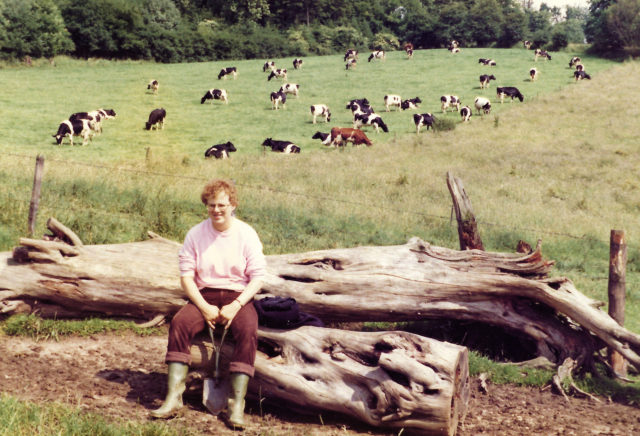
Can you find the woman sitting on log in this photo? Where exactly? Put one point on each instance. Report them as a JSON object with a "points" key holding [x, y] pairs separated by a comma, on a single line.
{"points": [[221, 270]]}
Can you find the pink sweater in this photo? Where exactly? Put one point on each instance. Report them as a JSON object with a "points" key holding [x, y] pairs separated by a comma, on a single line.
{"points": [[225, 260]]}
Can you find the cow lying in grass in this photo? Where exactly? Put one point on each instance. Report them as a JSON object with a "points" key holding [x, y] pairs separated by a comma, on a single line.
{"points": [[325, 138], [220, 151], [285, 147]]}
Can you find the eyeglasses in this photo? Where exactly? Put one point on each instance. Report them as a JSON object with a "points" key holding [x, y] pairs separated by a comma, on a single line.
{"points": [[218, 206]]}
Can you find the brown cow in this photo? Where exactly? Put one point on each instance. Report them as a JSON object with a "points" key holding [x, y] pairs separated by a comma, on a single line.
{"points": [[339, 135]]}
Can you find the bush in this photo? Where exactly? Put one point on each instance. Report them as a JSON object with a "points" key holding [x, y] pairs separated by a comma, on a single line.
{"points": [[384, 41]]}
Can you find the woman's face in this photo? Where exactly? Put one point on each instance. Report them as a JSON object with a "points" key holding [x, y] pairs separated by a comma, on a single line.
{"points": [[220, 211]]}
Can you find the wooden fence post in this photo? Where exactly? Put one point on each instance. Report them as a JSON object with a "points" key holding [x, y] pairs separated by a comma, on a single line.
{"points": [[617, 290], [35, 194]]}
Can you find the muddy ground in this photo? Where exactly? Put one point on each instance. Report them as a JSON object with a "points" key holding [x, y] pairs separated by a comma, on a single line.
{"points": [[123, 376]]}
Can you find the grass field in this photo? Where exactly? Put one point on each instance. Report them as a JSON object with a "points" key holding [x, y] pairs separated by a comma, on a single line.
{"points": [[562, 166]]}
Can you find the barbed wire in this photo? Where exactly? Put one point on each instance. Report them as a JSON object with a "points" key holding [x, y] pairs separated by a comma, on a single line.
{"points": [[315, 197]]}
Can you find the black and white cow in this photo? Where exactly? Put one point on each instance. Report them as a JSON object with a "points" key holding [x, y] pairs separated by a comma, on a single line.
{"points": [[533, 73], [527, 44], [377, 54], [280, 73], [465, 113], [579, 75], [410, 103], [450, 101], [574, 61], [454, 44], [454, 50], [71, 128], [360, 106], [351, 64], [509, 91], [372, 119], [489, 62], [425, 119], [324, 137], [351, 54], [579, 67], [94, 117], [153, 85], [485, 79], [156, 119], [320, 110], [269, 66], [220, 151], [483, 105], [290, 88], [233, 71], [285, 147], [392, 100], [297, 63], [278, 98], [215, 94], [541, 54]]}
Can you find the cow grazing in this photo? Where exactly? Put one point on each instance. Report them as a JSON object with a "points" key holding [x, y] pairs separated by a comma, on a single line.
{"points": [[220, 151], [579, 67], [483, 105], [351, 64], [450, 101], [454, 44], [579, 75], [408, 48], [409, 53], [489, 62], [290, 88], [360, 106], [153, 85], [351, 54], [233, 71], [286, 147], [455, 50], [465, 113], [377, 54], [340, 135], [411, 103], [280, 73], [94, 118], [533, 73], [372, 119], [392, 100], [485, 79], [215, 94], [297, 63], [320, 110], [425, 119], [509, 91], [574, 61], [269, 66], [156, 119], [324, 137], [278, 98], [541, 54], [527, 44], [71, 128]]}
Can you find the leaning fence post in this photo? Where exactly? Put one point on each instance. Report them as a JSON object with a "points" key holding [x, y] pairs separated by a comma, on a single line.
{"points": [[617, 290], [35, 193]]}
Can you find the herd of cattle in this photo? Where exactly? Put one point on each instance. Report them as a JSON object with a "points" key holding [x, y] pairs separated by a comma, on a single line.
{"points": [[88, 124]]}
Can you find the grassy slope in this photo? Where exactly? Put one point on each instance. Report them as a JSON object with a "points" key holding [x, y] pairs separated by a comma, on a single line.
{"points": [[561, 167]]}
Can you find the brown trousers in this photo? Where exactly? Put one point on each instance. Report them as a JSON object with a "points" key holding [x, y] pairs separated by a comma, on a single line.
{"points": [[189, 321]]}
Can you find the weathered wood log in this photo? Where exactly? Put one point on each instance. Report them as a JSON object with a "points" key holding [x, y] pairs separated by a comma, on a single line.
{"points": [[468, 233], [386, 379], [395, 283]]}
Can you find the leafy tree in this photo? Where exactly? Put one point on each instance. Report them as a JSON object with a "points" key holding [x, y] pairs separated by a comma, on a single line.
{"points": [[162, 13], [452, 23], [485, 22], [514, 27], [623, 20], [597, 30], [33, 27]]}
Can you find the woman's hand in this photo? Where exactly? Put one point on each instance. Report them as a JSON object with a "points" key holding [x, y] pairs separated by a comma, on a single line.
{"points": [[211, 314], [228, 312]]}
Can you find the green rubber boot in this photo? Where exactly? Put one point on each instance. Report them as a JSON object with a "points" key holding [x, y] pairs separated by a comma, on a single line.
{"points": [[173, 402], [235, 402]]}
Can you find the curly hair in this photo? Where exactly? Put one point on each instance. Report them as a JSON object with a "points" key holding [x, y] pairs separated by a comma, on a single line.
{"points": [[216, 186]]}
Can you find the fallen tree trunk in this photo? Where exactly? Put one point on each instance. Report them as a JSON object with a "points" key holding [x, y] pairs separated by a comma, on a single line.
{"points": [[395, 283], [386, 379]]}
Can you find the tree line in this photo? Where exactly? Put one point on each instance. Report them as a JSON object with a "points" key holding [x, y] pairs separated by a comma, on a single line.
{"points": [[203, 30]]}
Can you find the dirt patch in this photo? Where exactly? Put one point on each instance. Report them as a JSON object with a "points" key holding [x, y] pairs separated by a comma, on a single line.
{"points": [[123, 376]]}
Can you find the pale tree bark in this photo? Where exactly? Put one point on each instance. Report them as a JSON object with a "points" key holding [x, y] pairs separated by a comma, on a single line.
{"points": [[413, 281]]}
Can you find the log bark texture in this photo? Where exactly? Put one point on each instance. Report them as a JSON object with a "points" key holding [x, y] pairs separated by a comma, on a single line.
{"points": [[386, 379], [468, 233], [395, 283]]}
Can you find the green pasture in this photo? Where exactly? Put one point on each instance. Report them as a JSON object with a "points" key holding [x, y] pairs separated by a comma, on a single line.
{"points": [[561, 167]]}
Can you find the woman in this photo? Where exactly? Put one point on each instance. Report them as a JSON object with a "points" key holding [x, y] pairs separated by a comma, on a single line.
{"points": [[221, 269]]}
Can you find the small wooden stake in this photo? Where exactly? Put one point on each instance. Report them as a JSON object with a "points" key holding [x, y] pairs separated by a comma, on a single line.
{"points": [[617, 290], [35, 194], [467, 226]]}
